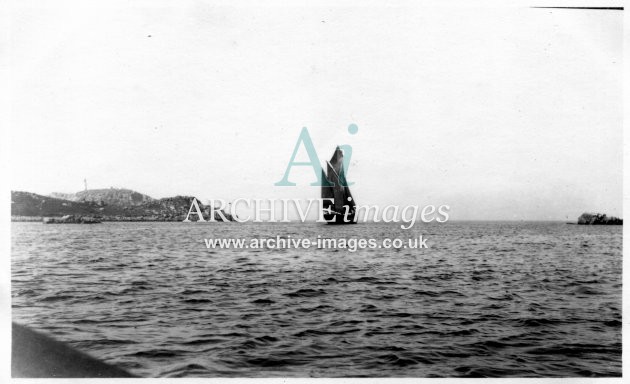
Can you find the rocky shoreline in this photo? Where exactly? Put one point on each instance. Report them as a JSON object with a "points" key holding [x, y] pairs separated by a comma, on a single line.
{"points": [[38, 219], [70, 219]]}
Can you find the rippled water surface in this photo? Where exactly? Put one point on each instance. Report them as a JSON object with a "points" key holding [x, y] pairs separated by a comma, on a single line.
{"points": [[486, 299]]}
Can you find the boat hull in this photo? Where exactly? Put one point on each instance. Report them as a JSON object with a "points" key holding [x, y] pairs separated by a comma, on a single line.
{"points": [[338, 218]]}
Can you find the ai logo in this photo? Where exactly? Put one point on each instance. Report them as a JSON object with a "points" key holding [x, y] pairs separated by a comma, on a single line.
{"points": [[305, 140]]}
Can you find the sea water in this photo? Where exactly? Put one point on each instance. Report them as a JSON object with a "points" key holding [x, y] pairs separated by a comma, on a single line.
{"points": [[484, 299]]}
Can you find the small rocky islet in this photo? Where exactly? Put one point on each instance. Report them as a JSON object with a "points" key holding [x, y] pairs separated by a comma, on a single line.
{"points": [[598, 219]]}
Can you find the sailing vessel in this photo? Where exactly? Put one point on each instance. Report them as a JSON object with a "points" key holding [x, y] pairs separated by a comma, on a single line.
{"points": [[342, 210]]}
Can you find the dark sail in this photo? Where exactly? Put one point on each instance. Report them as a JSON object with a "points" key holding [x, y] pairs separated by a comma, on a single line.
{"points": [[343, 208]]}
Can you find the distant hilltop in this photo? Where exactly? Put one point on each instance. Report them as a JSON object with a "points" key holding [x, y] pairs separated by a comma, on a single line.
{"points": [[111, 196], [104, 204], [598, 219]]}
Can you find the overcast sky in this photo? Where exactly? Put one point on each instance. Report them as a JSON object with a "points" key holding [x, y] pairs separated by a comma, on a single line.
{"points": [[501, 113]]}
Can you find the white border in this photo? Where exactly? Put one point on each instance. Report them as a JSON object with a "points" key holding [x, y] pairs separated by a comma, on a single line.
{"points": [[6, 8]]}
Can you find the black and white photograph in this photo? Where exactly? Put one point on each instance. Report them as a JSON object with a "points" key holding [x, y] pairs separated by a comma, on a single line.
{"points": [[313, 190]]}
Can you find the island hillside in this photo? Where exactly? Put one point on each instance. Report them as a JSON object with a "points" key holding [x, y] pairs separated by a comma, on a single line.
{"points": [[105, 205]]}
